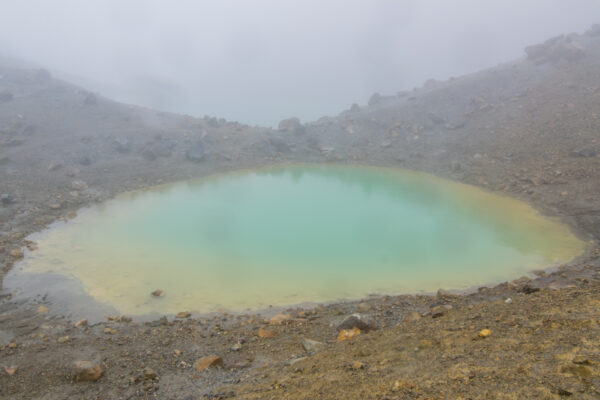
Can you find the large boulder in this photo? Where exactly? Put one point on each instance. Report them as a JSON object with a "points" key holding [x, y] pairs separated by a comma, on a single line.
{"points": [[122, 144], [195, 153], [374, 99], [279, 144], [87, 371], [292, 125], [556, 49], [358, 321]]}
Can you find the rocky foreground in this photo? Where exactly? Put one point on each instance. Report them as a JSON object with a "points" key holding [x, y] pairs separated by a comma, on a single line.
{"points": [[528, 129]]}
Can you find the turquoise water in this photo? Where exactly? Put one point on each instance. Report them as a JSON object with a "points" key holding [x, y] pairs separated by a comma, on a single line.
{"points": [[293, 234]]}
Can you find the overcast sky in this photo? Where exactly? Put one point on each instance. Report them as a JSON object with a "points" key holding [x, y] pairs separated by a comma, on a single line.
{"points": [[259, 61]]}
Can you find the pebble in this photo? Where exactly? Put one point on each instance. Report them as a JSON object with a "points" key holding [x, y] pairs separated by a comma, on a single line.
{"points": [[484, 333], [211, 361], [183, 314], [10, 371], [157, 293], [358, 365], [63, 339], [236, 347], [508, 301], [346, 334], [149, 374]]}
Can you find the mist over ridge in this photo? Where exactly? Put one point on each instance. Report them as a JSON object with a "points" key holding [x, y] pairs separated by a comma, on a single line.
{"points": [[260, 62]]}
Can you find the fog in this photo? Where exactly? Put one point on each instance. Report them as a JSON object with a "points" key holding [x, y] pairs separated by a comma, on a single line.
{"points": [[260, 61]]}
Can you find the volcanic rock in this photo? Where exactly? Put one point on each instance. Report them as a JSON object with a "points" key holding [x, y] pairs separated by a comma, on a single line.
{"points": [[211, 361], [87, 371], [359, 321], [292, 125], [266, 333], [122, 145], [279, 144], [346, 334], [195, 153], [6, 199], [311, 346]]}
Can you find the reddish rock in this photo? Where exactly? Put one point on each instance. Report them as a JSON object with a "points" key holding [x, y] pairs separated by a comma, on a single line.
{"points": [[208, 362], [87, 371], [266, 333]]}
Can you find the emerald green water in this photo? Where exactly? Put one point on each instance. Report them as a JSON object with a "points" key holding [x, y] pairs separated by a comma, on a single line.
{"points": [[293, 234]]}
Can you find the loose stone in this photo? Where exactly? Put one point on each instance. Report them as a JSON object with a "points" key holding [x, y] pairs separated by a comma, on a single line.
{"points": [[211, 361], [87, 371]]}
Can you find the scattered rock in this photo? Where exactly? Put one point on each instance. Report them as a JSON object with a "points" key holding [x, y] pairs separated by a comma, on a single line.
{"points": [[582, 371], [63, 339], [581, 361], [400, 384], [358, 365], [238, 363], [211, 361], [54, 167], [279, 144], [445, 295], [16, 253], [149, 374], [110, 331], [157, 293], [585, 152], [195, 153], [312, 346], [292, 125], [87, 371], [183, 315], [485, 333], [81, 322], [359, 321], [346, 334], [528, 289], [411, 317], [79, 185], [441, 310], [122, 145], [149, 154], [55, 206], [43, 309], [6, 199], [279, 319], [436, 119], [237, 347], [266, 333]]}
